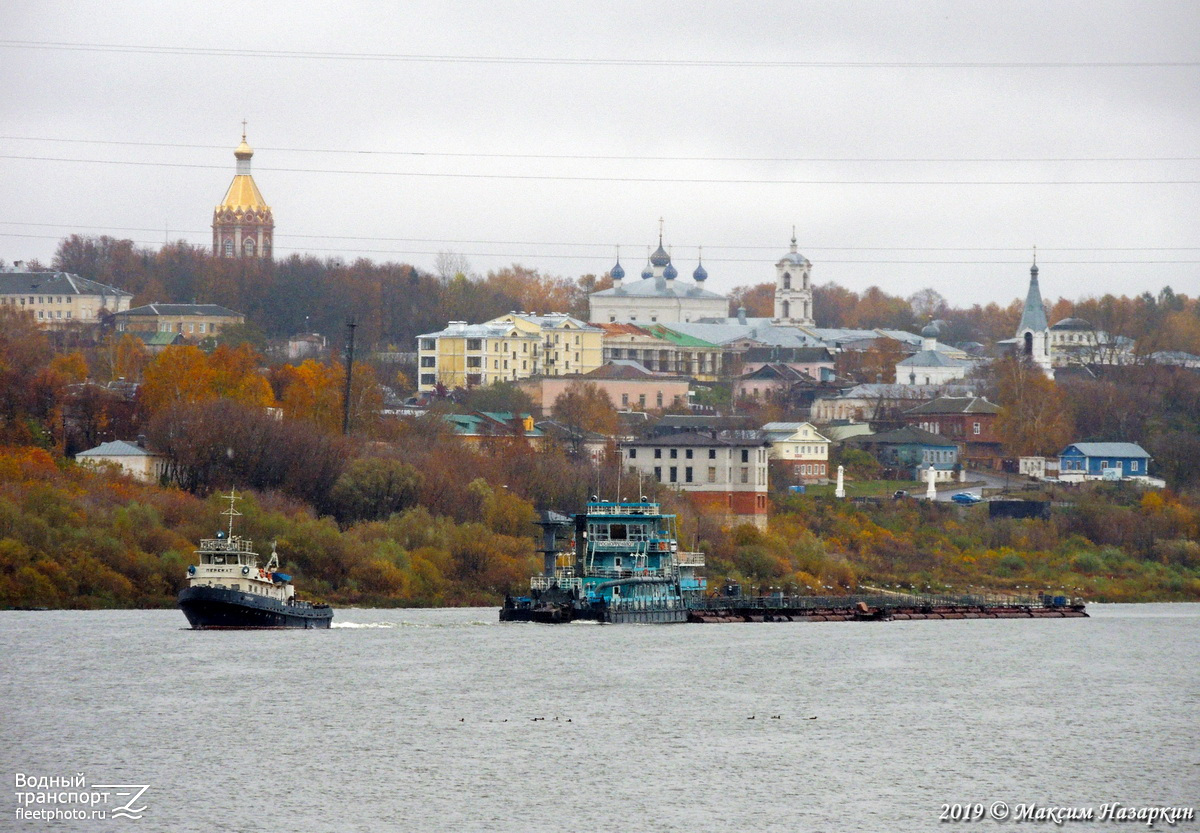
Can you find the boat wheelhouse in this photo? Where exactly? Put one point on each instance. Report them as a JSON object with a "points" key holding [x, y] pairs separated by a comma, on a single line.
{"points": [[625, 565]]}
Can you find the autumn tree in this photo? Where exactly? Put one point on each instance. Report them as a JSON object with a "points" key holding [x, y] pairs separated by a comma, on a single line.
{"points": [[584, 406], [759, 300], [186, 374], [374, 488], [1034, 418]]}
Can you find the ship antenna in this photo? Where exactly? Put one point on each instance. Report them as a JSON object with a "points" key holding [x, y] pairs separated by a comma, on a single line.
{"points": [[231, 512], [620, 466]]}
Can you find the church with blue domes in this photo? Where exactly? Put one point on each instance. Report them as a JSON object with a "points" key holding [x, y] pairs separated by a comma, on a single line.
{"points": [[658, 295]]}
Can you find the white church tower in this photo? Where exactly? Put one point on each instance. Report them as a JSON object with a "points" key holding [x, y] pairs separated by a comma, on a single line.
{"points": [[1033, 333], [793, 289]]}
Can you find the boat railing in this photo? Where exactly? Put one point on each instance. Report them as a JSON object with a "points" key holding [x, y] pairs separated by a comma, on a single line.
{"points": [[646, 604], [689, 559], [639, 572], [226, 545], [622, 508], [546, 582]]}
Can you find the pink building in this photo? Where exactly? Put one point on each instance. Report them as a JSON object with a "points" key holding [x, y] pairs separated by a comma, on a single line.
{"points": [[629, 386]]}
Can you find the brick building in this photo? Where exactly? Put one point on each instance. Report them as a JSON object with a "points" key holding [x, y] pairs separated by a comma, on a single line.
{"points": [[725, 474]]}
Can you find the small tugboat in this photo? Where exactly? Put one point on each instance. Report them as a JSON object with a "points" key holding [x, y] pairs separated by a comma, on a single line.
{"points": [[624, 566], [228, 589]]}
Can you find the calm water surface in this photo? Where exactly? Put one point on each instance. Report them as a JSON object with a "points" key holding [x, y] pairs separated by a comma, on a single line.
{"points": [[423, 720]]}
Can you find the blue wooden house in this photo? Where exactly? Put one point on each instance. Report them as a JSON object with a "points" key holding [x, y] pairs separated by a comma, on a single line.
{"points": [[1099, 461], [911, 451]]}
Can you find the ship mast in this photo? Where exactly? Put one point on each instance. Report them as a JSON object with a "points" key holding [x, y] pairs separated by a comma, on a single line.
{"points": [[231, 512]]}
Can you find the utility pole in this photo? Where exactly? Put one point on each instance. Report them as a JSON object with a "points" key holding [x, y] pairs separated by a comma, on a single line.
{"points": [[350, 325]]}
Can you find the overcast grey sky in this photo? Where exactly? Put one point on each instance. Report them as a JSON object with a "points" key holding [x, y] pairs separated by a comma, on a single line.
{"points": [[468, 156]]}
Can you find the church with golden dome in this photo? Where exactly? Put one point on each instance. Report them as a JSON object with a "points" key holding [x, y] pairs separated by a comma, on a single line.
{"points": [[243, 225]]}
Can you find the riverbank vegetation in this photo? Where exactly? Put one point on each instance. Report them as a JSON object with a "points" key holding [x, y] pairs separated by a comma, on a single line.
{"points": [[399, 534]]}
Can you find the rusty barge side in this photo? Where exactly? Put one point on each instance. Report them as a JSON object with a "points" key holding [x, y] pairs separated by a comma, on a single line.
{"points": [[783, 610]]}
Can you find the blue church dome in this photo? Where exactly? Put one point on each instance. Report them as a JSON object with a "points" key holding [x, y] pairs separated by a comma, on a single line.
{"points": [[670, 273], [648, 272], [701, 274], [617, 272]]}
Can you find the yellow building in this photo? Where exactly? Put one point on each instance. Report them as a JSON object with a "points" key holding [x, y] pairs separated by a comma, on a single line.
{"points": [[243, 225], [193, 321], [57, 300], [508, 348]]}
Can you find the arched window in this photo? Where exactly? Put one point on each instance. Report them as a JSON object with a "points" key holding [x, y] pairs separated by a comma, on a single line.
{"points": [[228, 247], [248, 247], [787, 280], [787, 310], [266, 249], [1029, 344]]}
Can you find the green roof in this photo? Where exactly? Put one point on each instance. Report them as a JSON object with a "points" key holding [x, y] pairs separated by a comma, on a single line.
{"points": [[666, 334]]}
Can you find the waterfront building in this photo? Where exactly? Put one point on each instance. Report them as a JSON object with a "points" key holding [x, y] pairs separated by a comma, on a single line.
{"points": [[725, 474], [968, 420], [910, 451], [1103, 461], [802, 449]]}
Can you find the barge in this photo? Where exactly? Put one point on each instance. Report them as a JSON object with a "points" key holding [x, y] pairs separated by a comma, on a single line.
{"points": [[623, 564]]}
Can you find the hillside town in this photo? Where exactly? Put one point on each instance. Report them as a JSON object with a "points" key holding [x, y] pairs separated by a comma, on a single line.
{"points": [[720, 402], [736, 404]]}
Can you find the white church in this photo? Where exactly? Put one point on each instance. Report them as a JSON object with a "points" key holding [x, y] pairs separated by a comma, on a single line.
{"points": [[660, 296]]}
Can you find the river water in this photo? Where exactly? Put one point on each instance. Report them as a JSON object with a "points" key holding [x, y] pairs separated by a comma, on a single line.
{"points": [[413, 720]]}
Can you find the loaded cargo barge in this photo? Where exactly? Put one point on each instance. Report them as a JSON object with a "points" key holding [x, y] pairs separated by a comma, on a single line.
{"points": [[624, 565], [883, 608]]}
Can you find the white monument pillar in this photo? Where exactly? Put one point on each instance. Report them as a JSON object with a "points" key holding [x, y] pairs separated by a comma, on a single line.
{"points": [[931, 492], [840, 491]]}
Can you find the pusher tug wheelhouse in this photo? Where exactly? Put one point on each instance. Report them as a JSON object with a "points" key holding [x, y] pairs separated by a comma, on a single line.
{"points": [[625, 566], [228, 589]]}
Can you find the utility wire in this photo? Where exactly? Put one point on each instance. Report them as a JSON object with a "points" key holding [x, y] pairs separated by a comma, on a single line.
{"points": [[616, 157], [591, 257], [528, 60], [625, 179], [608, 247]]}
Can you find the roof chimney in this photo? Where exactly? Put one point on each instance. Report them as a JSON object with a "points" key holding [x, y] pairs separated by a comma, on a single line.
{"points": [[741, 315]]}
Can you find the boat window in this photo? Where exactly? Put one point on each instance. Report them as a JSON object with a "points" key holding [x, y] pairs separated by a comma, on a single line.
{"points": [[617, 532], [598, 532], [218, 559], [638, 532]]}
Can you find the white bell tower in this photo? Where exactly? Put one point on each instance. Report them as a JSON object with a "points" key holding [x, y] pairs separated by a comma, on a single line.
{"points": [[793, 288]]}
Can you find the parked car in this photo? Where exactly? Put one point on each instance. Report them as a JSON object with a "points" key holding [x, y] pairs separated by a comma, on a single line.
{"points": [[899, 493], [966, 498]]}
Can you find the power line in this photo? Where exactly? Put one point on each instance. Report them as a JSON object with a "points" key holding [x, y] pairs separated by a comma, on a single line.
{"points": [[527, 60], [608, 247], [615, 157], [591, 257], [624, 179]]}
